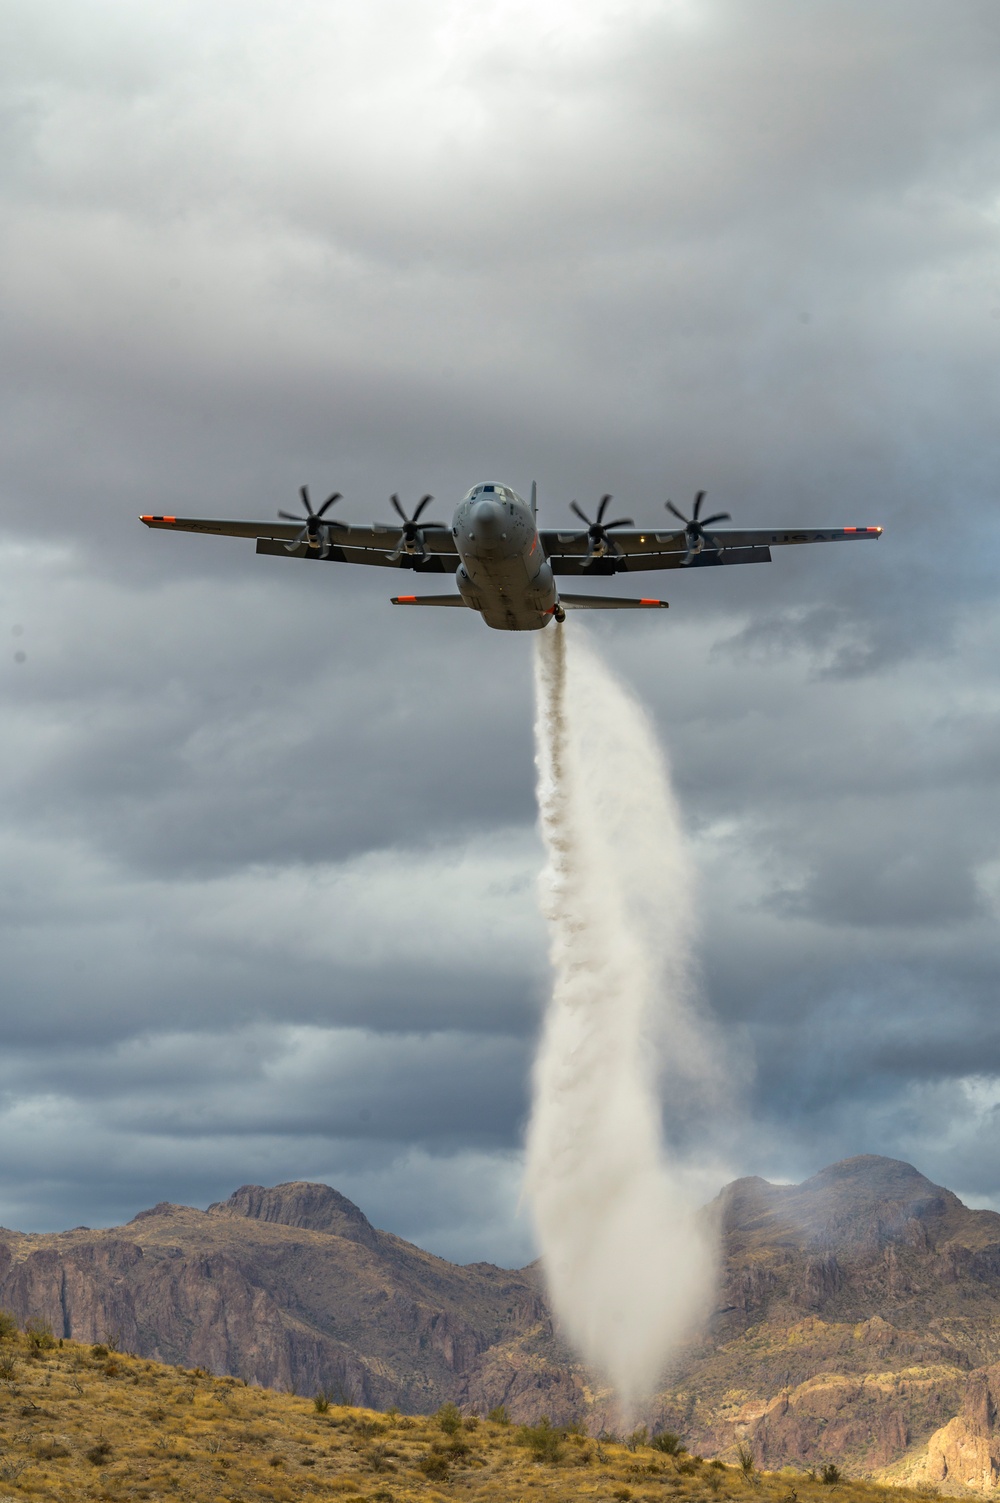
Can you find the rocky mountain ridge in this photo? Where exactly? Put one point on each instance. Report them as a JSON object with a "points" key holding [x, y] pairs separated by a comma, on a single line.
{"points": [[858, 1318]]}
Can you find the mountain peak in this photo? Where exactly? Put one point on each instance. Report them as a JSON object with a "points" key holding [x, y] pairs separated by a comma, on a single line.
{"points": [[862, 1201], [300, 1203]]}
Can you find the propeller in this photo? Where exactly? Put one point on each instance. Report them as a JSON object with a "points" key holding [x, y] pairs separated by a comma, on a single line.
{"points": [[412, 537], [597, 531], [695, 525], [312, 533]]}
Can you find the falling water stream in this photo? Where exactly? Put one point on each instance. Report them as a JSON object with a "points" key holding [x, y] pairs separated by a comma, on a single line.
{"points": [[629, 1266]]}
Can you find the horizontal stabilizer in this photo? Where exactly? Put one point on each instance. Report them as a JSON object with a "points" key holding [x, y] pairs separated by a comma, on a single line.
{"points": [[609, 603], [427, 600]]}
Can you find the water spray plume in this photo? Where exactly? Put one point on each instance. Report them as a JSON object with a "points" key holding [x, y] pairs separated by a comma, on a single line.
{"points": [[630, 1268]]}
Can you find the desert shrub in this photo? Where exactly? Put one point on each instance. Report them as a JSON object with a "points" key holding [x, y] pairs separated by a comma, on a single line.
{"points": [[499, 1415], [40, 1337], [830, 1474], [321, 1402], [99, 1351], [100, 1452], [8, 1326], [377, 1459], [8, 1369], [50, 1450], [669, 1442], [543, 1440], [449, 1417], [434, 1466], [745, 1459], [639, 1437], [369, 1428], [622, 1494], [717, 1465], [471, 1422], [276, 1460]]}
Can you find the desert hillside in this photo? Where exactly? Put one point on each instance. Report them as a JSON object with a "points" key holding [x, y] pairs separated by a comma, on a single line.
{"points": [[85, 1422], [857, 1321]]}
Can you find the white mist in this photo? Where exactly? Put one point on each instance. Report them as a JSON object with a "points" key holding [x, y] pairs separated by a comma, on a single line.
{"points": [[630, 1269]]}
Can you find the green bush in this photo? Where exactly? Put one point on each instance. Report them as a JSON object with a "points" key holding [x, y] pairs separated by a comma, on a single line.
{"points": [[543, 1440], [830, 1474], [449, 1417], [669, 1442], [434, 1466], [321, 1403], [40, 1337], [499, 1415], [8, 1326]]}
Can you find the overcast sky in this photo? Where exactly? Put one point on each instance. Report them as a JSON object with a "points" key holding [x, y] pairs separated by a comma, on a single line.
{"points": [[268, 848]]}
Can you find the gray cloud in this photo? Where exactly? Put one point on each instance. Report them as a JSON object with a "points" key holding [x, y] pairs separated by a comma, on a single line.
{"points": [[641, 249]]}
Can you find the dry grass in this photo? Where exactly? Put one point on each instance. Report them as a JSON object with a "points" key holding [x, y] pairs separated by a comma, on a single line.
{"points": [[80, 1422]]}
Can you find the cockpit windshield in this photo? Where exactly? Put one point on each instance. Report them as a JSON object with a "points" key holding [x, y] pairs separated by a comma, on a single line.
{"points": [[498, 492]]}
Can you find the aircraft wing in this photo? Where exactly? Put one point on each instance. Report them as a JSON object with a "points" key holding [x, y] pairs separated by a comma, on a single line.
{"points": [[638, 550], [349, 543]]}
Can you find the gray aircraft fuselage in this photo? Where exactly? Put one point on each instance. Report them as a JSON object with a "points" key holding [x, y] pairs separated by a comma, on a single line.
{"points": [[503, 572]]}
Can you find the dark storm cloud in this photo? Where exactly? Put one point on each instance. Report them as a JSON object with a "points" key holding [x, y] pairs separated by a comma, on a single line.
{"points": [[400, 247]]}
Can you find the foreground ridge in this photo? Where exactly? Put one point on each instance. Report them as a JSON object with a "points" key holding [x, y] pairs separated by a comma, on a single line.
{"points": [[80, 1421]]}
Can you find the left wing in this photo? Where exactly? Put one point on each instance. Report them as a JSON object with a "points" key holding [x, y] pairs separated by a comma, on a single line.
{"points": [[632, 550], [348, 543]]}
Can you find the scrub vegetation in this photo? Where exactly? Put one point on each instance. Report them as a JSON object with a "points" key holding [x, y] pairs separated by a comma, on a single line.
{"points": [[90, 1422]]}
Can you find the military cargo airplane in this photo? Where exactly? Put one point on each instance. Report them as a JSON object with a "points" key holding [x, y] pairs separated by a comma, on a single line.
{"points": [[504, 566]]}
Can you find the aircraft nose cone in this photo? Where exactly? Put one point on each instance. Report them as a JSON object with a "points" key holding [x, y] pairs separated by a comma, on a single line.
{"points": [[487, 520]]}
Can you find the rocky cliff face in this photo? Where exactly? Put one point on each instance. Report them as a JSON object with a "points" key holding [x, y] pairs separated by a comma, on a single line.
{"points": [[291, 1287], [854, 1312], [858, 1318]]}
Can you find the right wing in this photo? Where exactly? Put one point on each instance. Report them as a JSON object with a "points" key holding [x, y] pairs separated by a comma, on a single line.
{"points": [[639, 549], [349, 543]]}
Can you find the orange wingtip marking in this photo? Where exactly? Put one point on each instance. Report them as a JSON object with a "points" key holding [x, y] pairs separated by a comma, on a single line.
{"points": [[168, 519], [145, 518], [853, 529], [407, 599], [649, 602]]}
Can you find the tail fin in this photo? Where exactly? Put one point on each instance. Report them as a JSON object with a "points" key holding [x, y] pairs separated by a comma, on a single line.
{"points": [[534, 499]]}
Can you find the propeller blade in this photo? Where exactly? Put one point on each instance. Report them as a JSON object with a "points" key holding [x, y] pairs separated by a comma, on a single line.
{"points": [[304, 493], [396, 504], [289, 516], [621, 522], [425, 501], [678, 514], [602, 509], [582, 515], [720, 516], [697, 505], [328, 502]]}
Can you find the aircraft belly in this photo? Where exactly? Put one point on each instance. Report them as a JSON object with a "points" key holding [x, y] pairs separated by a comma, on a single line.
{"points": [[505, 594]]}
